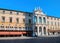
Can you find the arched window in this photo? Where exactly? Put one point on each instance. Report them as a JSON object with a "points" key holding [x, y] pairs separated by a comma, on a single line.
{"points": [[44, 30], [3, 19], [40, 29], [40, 20], [44, 20], [35, 19]]}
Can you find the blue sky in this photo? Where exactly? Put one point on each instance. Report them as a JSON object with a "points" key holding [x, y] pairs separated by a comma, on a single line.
{"points": [[50, 7]]}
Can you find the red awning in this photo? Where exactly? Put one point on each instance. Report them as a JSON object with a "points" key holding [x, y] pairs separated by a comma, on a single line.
{"points": [[11, 33]]}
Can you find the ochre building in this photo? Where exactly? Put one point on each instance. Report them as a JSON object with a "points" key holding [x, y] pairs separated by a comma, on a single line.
{"points": [[20, 23]]}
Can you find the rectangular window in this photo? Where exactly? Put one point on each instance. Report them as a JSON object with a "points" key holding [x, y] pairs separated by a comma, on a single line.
{"points": [[24, 20], [15, 27], [7, 26], [51, 18], [55, 23], [54, 18], [58, 19], [47, 17], [10, 19], [2, 26], [29, 21], [3, 19], [3, 11], [44, 20], [17, 13], [51, 23], [40, 20], [58, 23], [17, 20], [30, 15], [48, 22], [10, 12], [26, 28]]}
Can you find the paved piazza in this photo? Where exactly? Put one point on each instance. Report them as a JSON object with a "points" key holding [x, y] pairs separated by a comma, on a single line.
{"points": [[30, 40]]}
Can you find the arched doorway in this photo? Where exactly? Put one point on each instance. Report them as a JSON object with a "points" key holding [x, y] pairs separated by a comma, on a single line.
{"points": [[44, 29], [35, 29], [40, 30]]}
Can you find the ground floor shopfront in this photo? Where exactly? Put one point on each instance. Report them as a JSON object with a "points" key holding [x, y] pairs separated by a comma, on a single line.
{"points": [[39, 31], [53, 32], [11, 33]]}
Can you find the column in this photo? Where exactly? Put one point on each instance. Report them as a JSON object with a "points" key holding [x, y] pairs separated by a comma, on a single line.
{"points": [[42, 31], [42, 27], [46, 31], [42, 20], [18, 28], [37, 19], [5, 28], [22, 33], [33, 31], [37, 31]]}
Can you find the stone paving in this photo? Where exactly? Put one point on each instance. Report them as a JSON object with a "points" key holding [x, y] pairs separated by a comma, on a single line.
{"points": [[31, 40], [9, 38]]}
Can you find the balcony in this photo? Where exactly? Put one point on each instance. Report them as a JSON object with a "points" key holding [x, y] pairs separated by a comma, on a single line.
{"points": [[21, 29]]}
